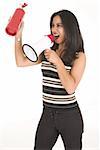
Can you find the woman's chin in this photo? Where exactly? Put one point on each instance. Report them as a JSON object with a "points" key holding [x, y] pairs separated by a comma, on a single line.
{"points": [[57, 41]]}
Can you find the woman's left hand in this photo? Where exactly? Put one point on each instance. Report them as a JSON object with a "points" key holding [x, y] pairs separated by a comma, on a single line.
{"points": [[52, 56]]}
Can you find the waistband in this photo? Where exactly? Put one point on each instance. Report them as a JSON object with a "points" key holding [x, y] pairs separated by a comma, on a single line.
{"points": [[71, 105]]}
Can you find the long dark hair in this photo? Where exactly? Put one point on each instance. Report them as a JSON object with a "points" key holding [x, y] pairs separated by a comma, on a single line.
{"points": [[73, 38]]}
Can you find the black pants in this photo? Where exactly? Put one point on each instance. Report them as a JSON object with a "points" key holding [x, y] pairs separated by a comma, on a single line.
{"points": [[57, 121]]}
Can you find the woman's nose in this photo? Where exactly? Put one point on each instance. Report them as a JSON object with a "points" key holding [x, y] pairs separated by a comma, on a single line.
{"points": [[54, 30]]}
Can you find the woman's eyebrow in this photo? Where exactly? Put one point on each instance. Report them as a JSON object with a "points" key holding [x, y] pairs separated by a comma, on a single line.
{"points": [[57, 23], [60, 22]]}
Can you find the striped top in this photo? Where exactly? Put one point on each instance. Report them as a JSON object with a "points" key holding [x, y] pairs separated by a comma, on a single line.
{"points": [[54, 94]]}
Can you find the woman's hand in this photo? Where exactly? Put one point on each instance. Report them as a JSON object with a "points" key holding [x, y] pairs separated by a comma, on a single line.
{"points": [[52, 56], [20, 30]]}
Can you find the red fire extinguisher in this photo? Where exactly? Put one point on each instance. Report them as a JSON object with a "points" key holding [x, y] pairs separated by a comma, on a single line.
{"points": [[13, 25]]}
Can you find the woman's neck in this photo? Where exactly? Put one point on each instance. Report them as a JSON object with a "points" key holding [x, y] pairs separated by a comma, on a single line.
{"points": [[61, 46], [60, 49]]}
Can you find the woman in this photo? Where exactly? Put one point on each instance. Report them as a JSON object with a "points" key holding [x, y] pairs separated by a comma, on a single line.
{"points": [[62, 66]]}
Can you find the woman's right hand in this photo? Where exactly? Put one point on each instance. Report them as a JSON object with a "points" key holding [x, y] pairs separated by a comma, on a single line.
{"points": [[21, 60], [20, 30]]}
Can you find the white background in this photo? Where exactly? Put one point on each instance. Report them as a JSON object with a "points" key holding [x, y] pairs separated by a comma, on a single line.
{"points": [[20, 88]]}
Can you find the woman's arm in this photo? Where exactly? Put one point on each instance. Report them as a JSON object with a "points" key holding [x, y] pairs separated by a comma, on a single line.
{"points": [[21, 60], [69, 80]]}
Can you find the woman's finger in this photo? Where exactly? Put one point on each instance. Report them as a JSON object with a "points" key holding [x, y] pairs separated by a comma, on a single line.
{"points": [[47, 50], [21, 25]]}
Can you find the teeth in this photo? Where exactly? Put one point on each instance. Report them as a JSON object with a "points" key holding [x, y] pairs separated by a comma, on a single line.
{"points": [[56, 36]]}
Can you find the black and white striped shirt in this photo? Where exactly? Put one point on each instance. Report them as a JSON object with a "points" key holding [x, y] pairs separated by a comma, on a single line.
{"points": [[54, 94]]}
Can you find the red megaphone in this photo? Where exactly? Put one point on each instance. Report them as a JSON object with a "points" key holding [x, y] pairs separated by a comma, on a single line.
{"points": [[13, 25]]}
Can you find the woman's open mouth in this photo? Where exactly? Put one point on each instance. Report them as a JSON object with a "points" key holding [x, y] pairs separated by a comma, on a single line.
{"points": [[56, 37]]}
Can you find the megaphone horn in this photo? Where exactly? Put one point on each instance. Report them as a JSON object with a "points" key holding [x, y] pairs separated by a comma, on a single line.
{"points": [[32, 53]]}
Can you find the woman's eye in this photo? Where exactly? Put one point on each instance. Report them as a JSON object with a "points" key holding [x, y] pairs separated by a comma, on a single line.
{"points": [[59, 25]]}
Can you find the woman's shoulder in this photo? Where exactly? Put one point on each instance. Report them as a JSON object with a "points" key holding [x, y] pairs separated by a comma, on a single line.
{"points": [[81, 56], [80, 60]]}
